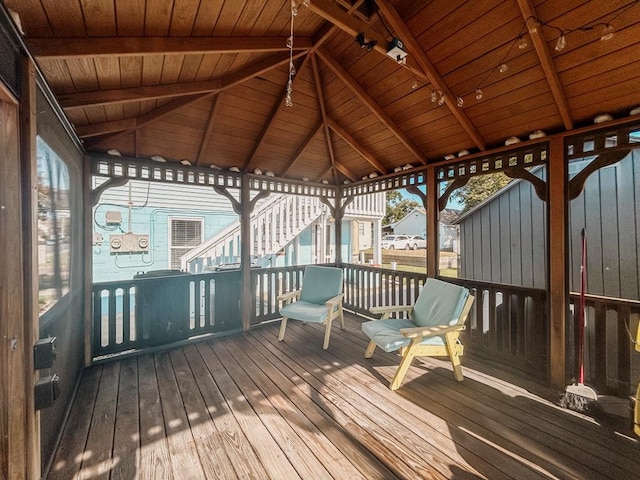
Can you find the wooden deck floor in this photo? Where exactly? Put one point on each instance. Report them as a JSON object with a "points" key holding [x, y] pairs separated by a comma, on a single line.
{"points": [[251, 407]]}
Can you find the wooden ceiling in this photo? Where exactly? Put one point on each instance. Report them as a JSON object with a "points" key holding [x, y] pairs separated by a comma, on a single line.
{"points": [[205, 80]]}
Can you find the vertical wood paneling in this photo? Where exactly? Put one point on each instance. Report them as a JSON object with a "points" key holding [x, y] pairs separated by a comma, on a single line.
{"points": [[608, 222], [515, 245]]}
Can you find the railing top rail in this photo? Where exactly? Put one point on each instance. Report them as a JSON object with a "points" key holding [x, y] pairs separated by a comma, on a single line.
{"points": [[603, 299]]}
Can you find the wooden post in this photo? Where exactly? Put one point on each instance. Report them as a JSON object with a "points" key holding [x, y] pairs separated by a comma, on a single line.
{"points": [[433, 214], [338, 214], [558, 261], [245, 252]]}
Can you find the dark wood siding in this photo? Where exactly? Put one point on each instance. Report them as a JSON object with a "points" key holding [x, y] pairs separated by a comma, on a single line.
{"points": [[503, 241]]}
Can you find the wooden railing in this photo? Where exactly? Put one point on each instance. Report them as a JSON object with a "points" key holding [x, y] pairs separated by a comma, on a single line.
{"points": [[609, 343], [508, 324], [268, 283], [137, 314], [367, 287]]}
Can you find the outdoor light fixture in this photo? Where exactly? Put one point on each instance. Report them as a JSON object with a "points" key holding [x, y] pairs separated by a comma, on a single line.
{"points": [[396, 51], [363, 44]]}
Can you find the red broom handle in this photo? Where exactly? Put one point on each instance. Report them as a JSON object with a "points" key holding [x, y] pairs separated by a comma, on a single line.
{"points": [[581, 317]]}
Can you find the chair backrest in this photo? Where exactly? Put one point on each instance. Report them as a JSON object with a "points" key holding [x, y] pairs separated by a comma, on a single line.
{"points": [[439, 303], [320, 283]]}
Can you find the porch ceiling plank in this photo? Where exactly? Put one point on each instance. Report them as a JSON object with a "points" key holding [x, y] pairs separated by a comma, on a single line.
{"points": [[70, 47], [323, 111], [377, 110], [546, 61], [122, 127], [356, 145], [345, 171], [215, 106], [303, 146], [398, 25], [269, 123]]}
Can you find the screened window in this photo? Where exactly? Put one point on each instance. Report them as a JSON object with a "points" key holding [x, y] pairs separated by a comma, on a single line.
{"points": [[184, 234]]}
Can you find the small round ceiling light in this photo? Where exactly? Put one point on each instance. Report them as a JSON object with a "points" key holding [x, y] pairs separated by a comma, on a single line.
{"points": [[537, 134], [512, 140]]}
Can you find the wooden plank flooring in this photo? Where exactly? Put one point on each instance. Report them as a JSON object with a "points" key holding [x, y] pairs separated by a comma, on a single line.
{"points": [[248, 406]]}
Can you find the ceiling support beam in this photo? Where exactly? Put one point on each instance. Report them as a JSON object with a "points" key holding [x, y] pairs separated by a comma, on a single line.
{"points": [[323, 111], [303, 146], [77, 47], [128, 125], [342, 133], [365, 98], [546, 61], [151, 92], [429, 69], [269, 123], [215, 106]]}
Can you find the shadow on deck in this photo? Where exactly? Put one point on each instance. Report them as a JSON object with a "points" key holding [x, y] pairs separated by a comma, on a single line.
{"points": [[248, 406]]}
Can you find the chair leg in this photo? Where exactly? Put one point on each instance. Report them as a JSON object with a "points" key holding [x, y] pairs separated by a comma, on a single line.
{"points": [[368, 353], [283, 327], [405, 363], [327, 334], [636, 413], [341, 313], [454, 357]]}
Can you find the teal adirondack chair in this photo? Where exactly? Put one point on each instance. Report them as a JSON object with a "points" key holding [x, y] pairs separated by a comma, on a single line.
{"points": [[432, 329], [319, 300]]}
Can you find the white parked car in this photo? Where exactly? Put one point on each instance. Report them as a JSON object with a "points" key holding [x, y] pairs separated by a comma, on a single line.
{"points": [[396, 242], [417, 241]]}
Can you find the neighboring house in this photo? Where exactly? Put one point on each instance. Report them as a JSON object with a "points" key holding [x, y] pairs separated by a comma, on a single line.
{"points": [[415, 223], [147, 226]]}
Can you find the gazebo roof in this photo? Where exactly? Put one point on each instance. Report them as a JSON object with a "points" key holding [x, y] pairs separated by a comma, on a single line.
{"points": [[205, 81]]}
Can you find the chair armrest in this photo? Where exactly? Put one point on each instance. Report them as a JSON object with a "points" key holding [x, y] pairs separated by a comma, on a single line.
{"points": [[389, 309], [337, 300], [289, 295], [430, 331]]}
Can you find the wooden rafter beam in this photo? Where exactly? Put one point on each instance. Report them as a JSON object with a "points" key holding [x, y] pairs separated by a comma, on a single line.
{"points": [[269, 123], [323, 112], [303, 146], [546, 61], [415, 50], [151, 92], [365, 98], [215, 106], [130, 124], [135, 46], [342, 133]]}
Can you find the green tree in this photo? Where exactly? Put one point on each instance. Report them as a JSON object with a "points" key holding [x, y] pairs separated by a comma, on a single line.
{"points": [[397, 207], [479, 189]]}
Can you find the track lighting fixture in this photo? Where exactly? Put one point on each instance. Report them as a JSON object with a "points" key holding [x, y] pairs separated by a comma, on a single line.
{"points": [[364, 44], [561, 42]]}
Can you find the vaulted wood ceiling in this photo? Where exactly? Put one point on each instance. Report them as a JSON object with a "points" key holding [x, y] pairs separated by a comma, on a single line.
{"points": [[205, 80]]}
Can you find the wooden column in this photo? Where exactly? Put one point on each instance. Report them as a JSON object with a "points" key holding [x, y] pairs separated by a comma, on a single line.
{"points": [[433, 214], [245, 252], [558, 296], [338, 214]]}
